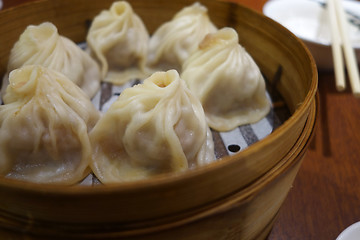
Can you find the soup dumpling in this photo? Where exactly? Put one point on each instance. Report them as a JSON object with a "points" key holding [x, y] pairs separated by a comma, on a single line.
{"points": [[153, 128], [42, 45], [118, 39], [175, 40], [227, 81], [44, 127]]}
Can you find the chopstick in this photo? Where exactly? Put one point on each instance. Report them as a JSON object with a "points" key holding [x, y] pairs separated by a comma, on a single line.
{"points": [[340, 28], [336, 48]]}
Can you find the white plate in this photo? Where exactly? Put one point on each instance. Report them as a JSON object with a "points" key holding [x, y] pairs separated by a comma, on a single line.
{"points": [[350, 233], [308, 20]]}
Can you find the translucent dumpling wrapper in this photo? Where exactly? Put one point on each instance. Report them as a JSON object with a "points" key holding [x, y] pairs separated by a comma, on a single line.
{"points": [[44, 127], [153, 128], [175, 40], [118, 39], [227, 81], [42, 45]]}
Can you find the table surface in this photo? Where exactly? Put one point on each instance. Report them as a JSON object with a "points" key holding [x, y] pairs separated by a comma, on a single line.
{"points": [[325, 197]]}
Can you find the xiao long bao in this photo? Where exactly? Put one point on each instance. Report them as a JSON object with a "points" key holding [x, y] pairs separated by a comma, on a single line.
{"points": [[153, 128], [118, 39], [42, 45], [175, 40], [44, 126], [227, 81]]}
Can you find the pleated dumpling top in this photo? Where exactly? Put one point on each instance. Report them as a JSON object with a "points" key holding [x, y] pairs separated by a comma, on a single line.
{"points": [[174, 41], [44, 125], [227, 81], [153, 128], [43, 45], [118, 40]]}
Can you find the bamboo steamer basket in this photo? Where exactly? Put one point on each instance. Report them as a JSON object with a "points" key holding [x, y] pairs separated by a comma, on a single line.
{"points": [[248, 214], [147, 206]]}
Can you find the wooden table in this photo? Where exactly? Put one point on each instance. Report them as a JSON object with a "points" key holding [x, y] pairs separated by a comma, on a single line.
{"points": [[325, 198]]}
